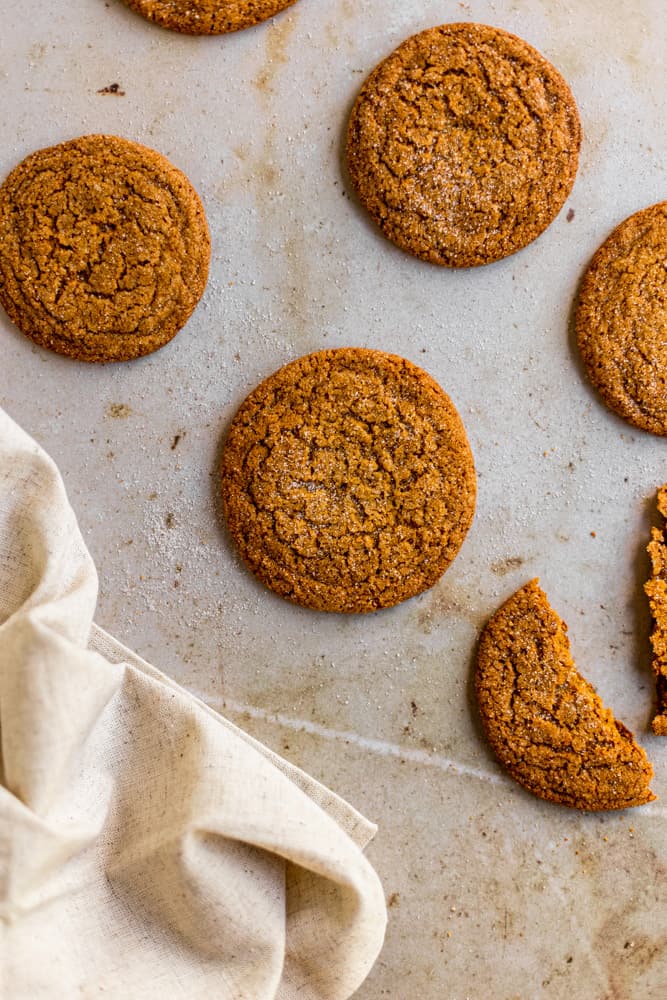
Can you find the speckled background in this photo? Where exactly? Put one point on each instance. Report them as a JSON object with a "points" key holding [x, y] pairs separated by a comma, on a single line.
{"points": [[491, 892]]}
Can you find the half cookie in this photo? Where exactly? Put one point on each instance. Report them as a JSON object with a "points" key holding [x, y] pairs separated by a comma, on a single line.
{"points": [[208, 17], [621, 320], [104, 248], [463, 144], [544, 722], [347, 480], [656, 591]]}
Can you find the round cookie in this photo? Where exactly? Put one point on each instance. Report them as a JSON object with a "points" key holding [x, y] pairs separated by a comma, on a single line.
{"points": [[208, 17], [463, 144], [621, 320], [104, 248], [347, 480], [546, 724]]}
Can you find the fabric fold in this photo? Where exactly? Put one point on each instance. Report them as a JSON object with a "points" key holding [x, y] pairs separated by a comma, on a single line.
{"points": [[148, 847]]}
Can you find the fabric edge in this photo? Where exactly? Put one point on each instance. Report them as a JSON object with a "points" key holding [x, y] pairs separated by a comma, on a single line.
{"points": [[360, 830]]}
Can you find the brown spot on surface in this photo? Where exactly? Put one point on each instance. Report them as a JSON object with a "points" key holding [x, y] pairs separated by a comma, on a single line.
{"points": [[118, 411], [447, 601], [277, 37], [570, 215], [504, 566]]}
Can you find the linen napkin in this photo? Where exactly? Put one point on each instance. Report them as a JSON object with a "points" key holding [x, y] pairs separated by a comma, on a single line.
{"points": [[148, 847]]}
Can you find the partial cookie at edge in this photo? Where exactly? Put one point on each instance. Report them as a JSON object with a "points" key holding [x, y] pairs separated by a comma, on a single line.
{"points": [[656, 591], [208, 17], [621, 320], [104, 248]]}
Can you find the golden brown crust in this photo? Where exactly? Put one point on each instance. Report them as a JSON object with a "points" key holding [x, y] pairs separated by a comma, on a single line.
{"points": [[622, 318], [347, 480], [544, 722], [208, 17], [104, 248], [656, 591], [463, 144]]}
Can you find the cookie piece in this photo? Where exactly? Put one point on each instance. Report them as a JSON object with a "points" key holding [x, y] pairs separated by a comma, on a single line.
{"points": [[544, 722], [104, 248], [621, 320], [208, 17], [347, 480], [656, 591], [463, 144]]}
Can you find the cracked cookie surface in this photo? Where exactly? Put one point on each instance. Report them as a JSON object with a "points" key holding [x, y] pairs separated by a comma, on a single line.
{"points": [[104, 248], [621, 320], [544, 721], [348, 482], [463, 144], [208, 17], [656, 591]]}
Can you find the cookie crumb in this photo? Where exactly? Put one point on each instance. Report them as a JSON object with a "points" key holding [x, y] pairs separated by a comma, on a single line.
{"points": [[113, 88]]}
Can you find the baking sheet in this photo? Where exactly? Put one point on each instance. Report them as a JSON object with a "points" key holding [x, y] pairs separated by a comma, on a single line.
{"points": [[490, 891]]}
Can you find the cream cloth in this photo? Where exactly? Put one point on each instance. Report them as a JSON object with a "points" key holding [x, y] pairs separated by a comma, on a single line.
{"points": [[148, 847]]}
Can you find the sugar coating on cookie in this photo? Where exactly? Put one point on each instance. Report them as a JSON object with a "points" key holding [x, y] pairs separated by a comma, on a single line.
{"points": [[347, 480], [463, 144], [208, 17], [621, 320], [656, 591], [104, 248], [544, 721]]}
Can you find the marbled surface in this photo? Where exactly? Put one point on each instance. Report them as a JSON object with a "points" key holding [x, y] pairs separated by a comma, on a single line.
{"points": [[491, 892]]}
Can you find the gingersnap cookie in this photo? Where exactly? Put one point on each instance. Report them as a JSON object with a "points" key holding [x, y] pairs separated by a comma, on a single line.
{"points": [[208, 17], [621, 320], [463, 144], [347, 480], [104, 248], [656, 591], [545, 723]]}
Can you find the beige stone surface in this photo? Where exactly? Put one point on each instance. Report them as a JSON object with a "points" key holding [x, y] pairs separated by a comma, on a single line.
{"points": [[492, 893]]}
